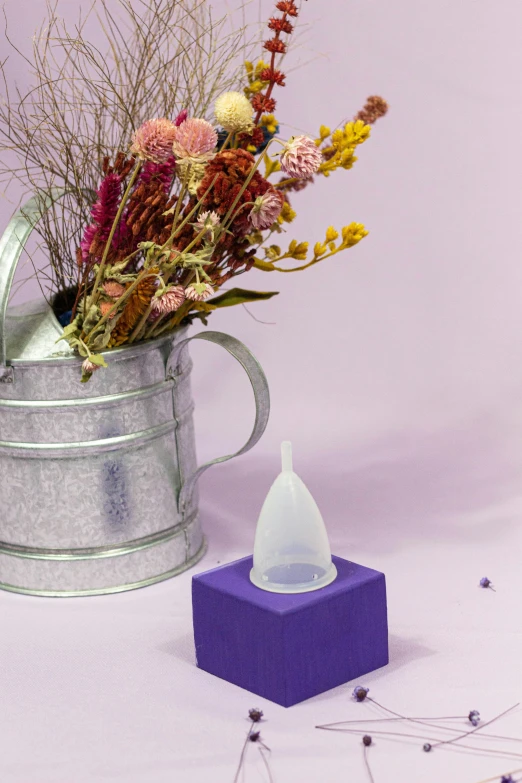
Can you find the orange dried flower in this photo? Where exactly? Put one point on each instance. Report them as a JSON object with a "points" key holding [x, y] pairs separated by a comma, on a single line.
{"points": [[113, 289], [280, 25], [137, 304], [273, 75], [275, 45], [287, 7], [263, 104], [105, 307]]}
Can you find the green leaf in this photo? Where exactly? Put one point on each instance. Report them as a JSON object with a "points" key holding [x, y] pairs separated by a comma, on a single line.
{"points": [[203, 307], [265, 266], [239, 296], [97, 358], [71, 328]]}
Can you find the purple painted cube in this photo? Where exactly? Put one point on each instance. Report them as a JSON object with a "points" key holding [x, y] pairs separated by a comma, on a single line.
{"points": [[288, 648]]}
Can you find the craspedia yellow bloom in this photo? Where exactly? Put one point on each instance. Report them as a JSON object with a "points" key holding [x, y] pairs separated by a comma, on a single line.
{"points": [[233, 111]]}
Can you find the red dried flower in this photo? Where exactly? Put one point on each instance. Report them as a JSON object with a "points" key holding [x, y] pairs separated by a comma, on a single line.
{"points": [[280, 25], [273, 75], [374, 108], [256, 138], [261, 103], [287, 7], [230, 169], [275, 45]]}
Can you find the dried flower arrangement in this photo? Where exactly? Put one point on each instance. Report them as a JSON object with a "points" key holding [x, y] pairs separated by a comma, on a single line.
{"points": [[181, 206]]}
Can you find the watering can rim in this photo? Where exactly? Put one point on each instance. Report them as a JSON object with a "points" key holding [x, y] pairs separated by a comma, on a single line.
{"points": [[116, 354]]}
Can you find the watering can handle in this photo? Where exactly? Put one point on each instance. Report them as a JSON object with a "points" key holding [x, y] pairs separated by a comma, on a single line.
{"points": [[11, 245], [261, 394]]}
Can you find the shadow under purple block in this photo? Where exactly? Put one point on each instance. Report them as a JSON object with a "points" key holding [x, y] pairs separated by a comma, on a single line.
{"points": [[288, 648]]}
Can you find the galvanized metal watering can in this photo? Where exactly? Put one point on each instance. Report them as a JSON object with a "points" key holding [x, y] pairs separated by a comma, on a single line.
{"points": [[98, 481]]}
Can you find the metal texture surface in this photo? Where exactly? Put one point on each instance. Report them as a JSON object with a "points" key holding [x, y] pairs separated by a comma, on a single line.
{"points": [[98, 482]]}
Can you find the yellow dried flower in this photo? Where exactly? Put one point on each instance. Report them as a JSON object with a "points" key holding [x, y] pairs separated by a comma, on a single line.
{"points": [[331, 234], [298, 250], [353, 233], [233, 111], [269, 122], [260, 67], [324, 132], [339, 153], [356, 132], [287, 214], [256, 86], [319, 249]]}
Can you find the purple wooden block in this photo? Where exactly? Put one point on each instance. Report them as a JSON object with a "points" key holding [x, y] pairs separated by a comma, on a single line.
{"points": [[288, 648]]}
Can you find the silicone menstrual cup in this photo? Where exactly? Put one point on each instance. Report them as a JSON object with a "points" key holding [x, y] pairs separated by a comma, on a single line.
{"points": [[291, 549]]}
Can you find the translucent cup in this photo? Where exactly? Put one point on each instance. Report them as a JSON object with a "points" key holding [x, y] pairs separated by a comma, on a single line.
{"points": [[291, 549]]}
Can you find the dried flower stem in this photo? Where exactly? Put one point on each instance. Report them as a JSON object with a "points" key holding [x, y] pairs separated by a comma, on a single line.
{"points": [[477, 728], [243, 751], [226, 220], [504, 754], [191, 214], [367, 764]]}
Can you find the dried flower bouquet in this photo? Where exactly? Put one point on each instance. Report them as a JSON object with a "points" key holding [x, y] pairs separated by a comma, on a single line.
{"points": [[190, 204]]}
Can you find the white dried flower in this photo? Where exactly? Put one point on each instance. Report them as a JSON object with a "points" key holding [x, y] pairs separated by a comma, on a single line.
{"points": [[198, 292], [233, 111], [89, 367], [169, 301]]}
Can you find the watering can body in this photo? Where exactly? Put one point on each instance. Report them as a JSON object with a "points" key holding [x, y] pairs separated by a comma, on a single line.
{"points": [[98, 480]]}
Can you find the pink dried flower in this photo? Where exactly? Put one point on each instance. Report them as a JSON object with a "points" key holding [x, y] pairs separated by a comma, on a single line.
{"points": [[113, 289], [87, 239], [169, 301], [153, 140], [159, 172], [89, 367], [194, 138], [182, 116], [105, 307], [266, 209], [300, 157], [103, 213], [198, 292]]}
